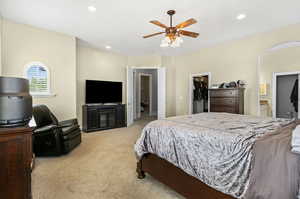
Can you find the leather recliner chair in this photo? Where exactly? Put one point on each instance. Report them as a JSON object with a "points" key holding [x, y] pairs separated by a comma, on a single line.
{"points": [[53, 138]]}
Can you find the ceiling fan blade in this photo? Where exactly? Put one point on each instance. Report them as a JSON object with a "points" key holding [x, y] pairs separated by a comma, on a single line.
{"points": [[188, 33], [158, 33], [186, 23], [155, 22]]}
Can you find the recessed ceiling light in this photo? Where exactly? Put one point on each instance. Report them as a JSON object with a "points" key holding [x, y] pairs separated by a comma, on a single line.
{"points": [[92, 8], [241, 16], [108, 47]]}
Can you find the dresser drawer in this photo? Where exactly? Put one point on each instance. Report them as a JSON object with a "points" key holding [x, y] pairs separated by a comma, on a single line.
{"points": [[222, 101], [226, 109], [223, 93]]}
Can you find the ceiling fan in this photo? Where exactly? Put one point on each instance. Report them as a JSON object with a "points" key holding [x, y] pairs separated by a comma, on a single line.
{"points": [[173, 33]]}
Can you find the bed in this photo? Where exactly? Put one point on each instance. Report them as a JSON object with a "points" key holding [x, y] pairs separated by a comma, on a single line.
{"points": [[221, 155]]}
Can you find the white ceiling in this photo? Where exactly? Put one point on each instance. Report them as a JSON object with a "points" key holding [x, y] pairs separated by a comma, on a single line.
{"points": [[121, 23]]}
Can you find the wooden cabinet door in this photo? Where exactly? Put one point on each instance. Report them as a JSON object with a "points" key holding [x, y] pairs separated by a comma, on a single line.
{"points": [[92, 118], [15, 173]]}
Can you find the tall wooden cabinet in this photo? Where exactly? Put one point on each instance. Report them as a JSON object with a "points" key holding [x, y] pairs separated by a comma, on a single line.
{"points": [[15, 161], [230, 100]]}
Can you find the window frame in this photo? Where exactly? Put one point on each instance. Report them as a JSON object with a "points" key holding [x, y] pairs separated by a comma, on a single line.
{"points": [[42, 94]]}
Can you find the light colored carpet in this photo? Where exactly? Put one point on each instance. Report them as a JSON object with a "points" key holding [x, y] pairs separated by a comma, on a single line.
{"points": [[102, 167]]}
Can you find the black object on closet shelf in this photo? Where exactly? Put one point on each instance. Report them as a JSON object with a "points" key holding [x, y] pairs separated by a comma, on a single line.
{"points": [[15, 102]]}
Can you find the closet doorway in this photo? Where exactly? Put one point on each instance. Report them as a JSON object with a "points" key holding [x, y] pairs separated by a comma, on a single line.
{"points": [[144, 95], [198, 93], [286, 98]]}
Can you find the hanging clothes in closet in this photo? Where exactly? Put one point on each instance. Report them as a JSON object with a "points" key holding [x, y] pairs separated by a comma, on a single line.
{"points": [[200, 97], [294, 95]]}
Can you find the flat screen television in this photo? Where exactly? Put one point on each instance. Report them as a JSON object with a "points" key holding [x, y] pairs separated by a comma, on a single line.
{"points": [[103, 92]]}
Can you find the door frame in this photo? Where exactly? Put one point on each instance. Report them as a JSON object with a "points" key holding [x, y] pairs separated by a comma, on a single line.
{"points": [[139, 97], [274, 89], [191, 82], [129, 98], [161, 99]]}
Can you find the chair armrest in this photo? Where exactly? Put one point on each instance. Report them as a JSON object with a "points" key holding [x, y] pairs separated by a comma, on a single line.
{"points": [[68, 123], [48, 140], [45, 129]]}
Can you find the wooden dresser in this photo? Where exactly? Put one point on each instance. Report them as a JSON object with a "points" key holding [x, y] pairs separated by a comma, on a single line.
{"points": [[15, 162], [230, 100]]}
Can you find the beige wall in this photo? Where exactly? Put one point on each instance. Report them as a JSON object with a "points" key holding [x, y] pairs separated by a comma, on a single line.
{"points": [[98, 65], [23, 44], [145, 61], [171, 90], [229, 61]]}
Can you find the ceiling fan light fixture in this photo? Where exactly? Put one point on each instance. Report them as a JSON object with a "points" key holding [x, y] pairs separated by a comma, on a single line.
{"points": [[177, 42], [174, 41], [164, 45], [173, 33], [179, 39], [165, 42]]}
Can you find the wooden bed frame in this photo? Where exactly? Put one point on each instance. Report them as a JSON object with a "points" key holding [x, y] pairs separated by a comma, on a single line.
{"points": [[177, 179]]}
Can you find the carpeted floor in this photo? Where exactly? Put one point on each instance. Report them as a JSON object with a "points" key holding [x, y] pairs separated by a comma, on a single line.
{"points": [[102, 167]]}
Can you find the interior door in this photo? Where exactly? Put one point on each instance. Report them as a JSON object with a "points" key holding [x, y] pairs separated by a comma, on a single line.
{"points": [[161, 93], [129, 96], [284, 106], [284, 93]]}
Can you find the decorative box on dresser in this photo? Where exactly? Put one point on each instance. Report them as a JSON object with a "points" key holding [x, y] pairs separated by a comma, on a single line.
{"points": [[230, 100], [15, 163]]}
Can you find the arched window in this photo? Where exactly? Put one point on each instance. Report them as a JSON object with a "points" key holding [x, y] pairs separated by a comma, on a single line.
{"points": [[39, 78]]}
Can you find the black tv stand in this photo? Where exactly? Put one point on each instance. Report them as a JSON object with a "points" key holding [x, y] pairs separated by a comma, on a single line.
{"points": [[97, 117]]}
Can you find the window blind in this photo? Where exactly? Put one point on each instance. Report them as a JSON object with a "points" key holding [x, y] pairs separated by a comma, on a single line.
{"points": [[38, 79]]}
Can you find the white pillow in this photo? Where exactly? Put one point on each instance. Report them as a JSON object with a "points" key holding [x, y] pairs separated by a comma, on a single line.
{"points": [[296, 149], [296, 137]]}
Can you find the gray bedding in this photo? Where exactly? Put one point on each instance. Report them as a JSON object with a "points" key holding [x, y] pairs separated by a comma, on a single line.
{"points": [[216, 148], [276, 172]]}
